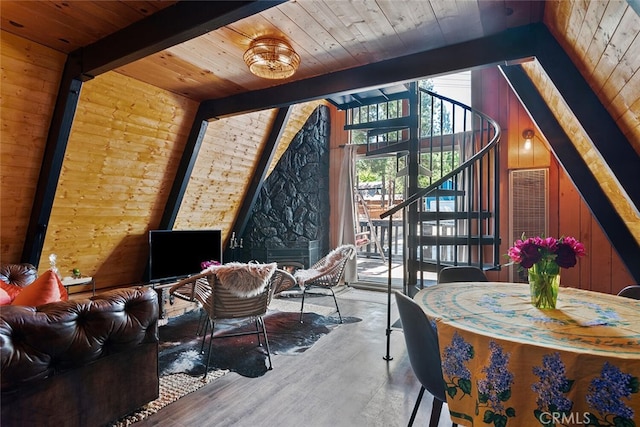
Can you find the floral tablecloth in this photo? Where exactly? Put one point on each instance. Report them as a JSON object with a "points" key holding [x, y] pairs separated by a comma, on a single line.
{"points": [[506, 363]]}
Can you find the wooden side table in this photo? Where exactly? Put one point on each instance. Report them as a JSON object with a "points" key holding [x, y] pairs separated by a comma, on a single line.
{"points": [[67, 282]]}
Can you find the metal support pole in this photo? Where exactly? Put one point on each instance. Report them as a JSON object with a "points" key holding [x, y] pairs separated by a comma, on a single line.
{"points": [[388, 357]]}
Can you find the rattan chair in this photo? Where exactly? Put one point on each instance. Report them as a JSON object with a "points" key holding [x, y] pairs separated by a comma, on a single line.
{"points": [[325, 274], [222, 303], [282, 280]]}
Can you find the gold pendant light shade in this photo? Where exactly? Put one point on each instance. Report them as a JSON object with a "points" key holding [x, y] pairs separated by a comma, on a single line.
{"points": [[271, 58]]}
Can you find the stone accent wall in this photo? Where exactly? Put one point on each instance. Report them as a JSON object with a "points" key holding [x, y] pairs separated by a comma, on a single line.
{"points": [[293, 206]]}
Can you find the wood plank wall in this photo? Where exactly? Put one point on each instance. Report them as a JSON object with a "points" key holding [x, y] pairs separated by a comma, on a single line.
{"points": [[583, 144], [230, 151], [123, 152], [223, 171], [601, 270], [603, 39], [118, 237], [30, 78]]}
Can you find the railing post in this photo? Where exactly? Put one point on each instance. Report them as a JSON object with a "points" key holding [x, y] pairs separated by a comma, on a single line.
{"points": [[388, 357]]}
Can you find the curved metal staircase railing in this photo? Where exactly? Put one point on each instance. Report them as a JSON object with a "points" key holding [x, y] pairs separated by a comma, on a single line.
{"points": [[454, 220], [447, 153], [472, 193]]}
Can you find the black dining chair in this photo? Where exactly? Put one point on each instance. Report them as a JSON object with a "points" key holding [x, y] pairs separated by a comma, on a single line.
{"points": [[631, 291], [424, 354], [461, 273]]}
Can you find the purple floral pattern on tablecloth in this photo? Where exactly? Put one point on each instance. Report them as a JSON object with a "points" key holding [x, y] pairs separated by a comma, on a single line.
{"points": [[607, 394], [454, 366], [579, 363], [495, 389], [552, 389]]}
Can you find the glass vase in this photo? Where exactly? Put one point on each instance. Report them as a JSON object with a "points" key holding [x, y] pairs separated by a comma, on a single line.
{"points": [[544, 287]]}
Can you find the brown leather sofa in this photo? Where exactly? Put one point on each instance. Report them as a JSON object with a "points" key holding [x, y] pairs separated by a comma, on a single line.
{"points": [[18, 274], [83, 362]]}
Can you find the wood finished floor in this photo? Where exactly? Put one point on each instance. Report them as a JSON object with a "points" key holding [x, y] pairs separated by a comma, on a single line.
{"points": [[342, 380]]}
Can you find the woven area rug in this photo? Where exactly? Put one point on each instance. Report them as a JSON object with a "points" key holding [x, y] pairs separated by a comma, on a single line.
{"points": [[172, 388]]}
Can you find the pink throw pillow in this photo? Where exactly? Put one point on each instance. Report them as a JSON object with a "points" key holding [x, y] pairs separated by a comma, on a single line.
{"points": [[11, 290], [5, 299]]}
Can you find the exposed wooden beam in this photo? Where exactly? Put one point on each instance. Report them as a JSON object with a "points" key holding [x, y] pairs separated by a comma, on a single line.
{"points": [[64, 110], [588, 187], [185, 168], [278, 126], [168, 27], [511, 45], [603, 131]]}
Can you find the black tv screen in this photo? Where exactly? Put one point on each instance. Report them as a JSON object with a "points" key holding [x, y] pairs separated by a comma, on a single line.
{"points": [[174, 254]]}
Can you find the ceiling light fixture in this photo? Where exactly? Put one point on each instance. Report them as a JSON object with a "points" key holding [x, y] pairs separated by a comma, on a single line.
{"points": [[528, 134], [271, 58]]}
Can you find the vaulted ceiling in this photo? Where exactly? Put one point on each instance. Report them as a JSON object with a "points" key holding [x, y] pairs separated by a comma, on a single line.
{"points": [[195, 49], [329, 35]]}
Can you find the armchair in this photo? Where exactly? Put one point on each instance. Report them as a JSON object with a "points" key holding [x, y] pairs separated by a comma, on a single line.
{"points": [[231, 291], [325, 274]]}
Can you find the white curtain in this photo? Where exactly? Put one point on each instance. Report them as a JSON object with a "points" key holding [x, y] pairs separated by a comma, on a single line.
{"points": [[346, 209]]}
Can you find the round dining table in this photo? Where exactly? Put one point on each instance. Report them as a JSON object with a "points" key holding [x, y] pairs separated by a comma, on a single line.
{"points": [[508, 363]]}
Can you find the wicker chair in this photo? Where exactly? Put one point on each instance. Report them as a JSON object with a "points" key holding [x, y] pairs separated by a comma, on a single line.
{"points": [[325, 274], [220, 302], [281, 281]]}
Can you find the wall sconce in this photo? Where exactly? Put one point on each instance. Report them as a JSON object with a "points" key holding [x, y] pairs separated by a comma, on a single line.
{"points": [[271, 58], [528, 134]]}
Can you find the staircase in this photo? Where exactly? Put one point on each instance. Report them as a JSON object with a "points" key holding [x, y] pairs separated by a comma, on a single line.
{"points": [[447, 154]]}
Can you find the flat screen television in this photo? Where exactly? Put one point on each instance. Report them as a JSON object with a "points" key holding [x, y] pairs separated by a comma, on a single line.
{"points": [[175, 254]]}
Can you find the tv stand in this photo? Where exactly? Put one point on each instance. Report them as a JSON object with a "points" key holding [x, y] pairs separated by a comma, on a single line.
{"points": [[168, 305]]}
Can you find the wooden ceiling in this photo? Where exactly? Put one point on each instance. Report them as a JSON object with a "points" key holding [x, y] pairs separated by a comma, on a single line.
{"points": [[205, 61], [329, 35], [199, 55]]}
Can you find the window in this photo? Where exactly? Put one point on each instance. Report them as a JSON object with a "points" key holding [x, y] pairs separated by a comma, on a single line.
{"points": [[528, 207]]}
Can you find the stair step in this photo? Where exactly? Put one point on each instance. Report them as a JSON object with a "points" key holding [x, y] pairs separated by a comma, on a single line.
{"points": [[395, 123], [443, 192], [433, 216], [456, 240], [396, 147], [421, 171], [371, 133], [371, 97], [432, 266]]}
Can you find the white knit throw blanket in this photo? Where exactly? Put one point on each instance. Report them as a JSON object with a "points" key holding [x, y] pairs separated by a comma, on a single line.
{"points": [[244, 280], [329, 262]]}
